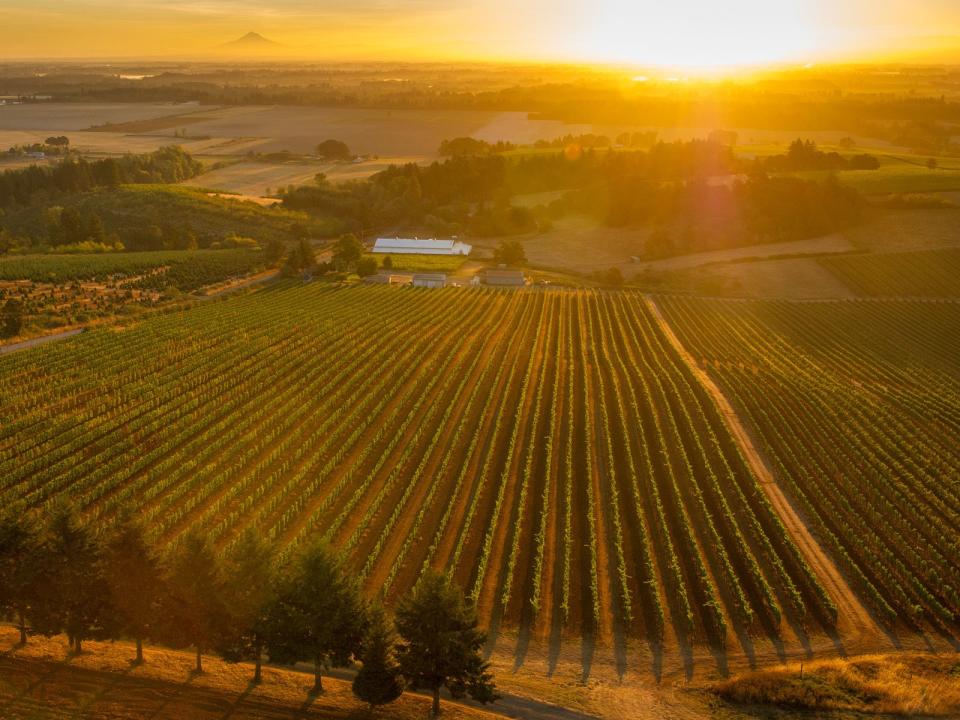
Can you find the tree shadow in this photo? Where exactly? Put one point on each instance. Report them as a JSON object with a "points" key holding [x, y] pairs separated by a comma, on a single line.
{"points": [[179, 689], [37, 682], [588, 645], [523, 645], [239, 701], [555, 643]]}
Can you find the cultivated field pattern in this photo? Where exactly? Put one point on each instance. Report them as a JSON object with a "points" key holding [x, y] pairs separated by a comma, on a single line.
{"points": [[553, 449], [857, 407]]}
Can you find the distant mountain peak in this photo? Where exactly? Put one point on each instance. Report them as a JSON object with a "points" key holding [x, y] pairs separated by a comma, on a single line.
{"points": [[252, 40]]}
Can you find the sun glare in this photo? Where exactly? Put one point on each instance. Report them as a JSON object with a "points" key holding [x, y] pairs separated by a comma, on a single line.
{"points": [[700, 36]]}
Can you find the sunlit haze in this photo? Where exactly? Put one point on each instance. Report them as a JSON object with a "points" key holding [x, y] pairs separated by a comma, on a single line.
{"points": [[682, 33]]}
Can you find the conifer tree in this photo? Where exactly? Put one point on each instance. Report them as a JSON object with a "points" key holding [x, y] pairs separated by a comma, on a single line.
{"points": [[440, 643], [378, 682], [135, 581], [74, 596], [250, 586], [20, 566], [319, 615], [196, 614]]}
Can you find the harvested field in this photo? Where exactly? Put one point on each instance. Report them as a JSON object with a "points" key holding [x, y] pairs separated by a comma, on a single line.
{"points": [[81, 116]]}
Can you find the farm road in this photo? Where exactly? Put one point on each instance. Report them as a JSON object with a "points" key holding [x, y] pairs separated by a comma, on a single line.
{"points": [[42, 340], [852, 615]]}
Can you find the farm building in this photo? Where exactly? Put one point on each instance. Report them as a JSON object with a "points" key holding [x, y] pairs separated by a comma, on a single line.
{"points": [[429, 280], [404, 246], [510, 278], [388, 279]]}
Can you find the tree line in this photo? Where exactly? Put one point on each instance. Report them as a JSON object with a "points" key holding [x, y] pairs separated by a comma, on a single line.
{"points": [[25, 186], [70, 576]]}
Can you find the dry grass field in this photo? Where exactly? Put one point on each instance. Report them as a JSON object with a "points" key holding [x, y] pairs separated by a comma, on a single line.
{"points": [[42, 681]]}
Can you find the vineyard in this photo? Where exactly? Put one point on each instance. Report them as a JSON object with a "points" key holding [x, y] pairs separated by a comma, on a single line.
{"points": [[857, 406], [925, 273], [181, 267], [551, 449]]}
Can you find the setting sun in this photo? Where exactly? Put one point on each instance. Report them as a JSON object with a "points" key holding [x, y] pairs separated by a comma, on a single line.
{"points": [[479, 359], [691, 34]]}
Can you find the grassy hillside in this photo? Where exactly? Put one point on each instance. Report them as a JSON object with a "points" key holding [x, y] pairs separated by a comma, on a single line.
{"points": [[129, 209], [912, 685], [41, 682]]}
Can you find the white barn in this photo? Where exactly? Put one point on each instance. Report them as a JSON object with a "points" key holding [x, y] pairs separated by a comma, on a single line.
{"points": [[405, 246]]}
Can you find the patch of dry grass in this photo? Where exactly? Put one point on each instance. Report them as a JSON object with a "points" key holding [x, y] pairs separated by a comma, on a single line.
{"points": [[41, 680], [910, 684]]}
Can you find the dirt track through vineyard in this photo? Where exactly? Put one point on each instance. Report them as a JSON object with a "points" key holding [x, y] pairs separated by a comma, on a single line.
{"points": [[853, 620]]}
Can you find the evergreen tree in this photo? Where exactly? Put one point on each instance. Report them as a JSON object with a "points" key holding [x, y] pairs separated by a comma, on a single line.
{"points": [[379, 681], [75, 597], [135, 580], [318, 615], [440, 642], [20, 565], [249, 584], [195, 614]]}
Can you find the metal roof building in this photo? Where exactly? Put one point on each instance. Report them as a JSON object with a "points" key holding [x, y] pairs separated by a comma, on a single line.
{"points": [[416, 246], [429, 280], [513, 278]]}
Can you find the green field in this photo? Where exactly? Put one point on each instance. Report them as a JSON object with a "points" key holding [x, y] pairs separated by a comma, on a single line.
{"points": [[927, 273], [179, 266], [131, 208], [421, 263], [554, 450], [857, 405]]}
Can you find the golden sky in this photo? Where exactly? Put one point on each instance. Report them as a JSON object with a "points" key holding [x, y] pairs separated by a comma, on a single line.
{"points": [[689, 33]]}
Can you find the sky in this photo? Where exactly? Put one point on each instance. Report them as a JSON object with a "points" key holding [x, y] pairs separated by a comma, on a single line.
{"points": [[675, 33]]}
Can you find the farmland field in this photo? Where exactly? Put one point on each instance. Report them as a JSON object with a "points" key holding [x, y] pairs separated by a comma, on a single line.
{"points": [[558, 451], [584, 483], [926, 273], [857, 407]]}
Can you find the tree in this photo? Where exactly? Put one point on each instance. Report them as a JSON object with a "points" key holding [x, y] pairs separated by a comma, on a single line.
{"points": [[273, 251], [440, 643], [366, 266], [387, 263], [74, 596], [318, 614], [301, 256], [20, 564], [249, 584], [333, 150], [11, 318], [135, 581], [6, 242], [510, 252], [347, 251], [195, 612], [379, 681]]}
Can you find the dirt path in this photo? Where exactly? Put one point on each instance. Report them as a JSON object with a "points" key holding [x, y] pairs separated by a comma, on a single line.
{"points": [[42, 340], [852, 615]]}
